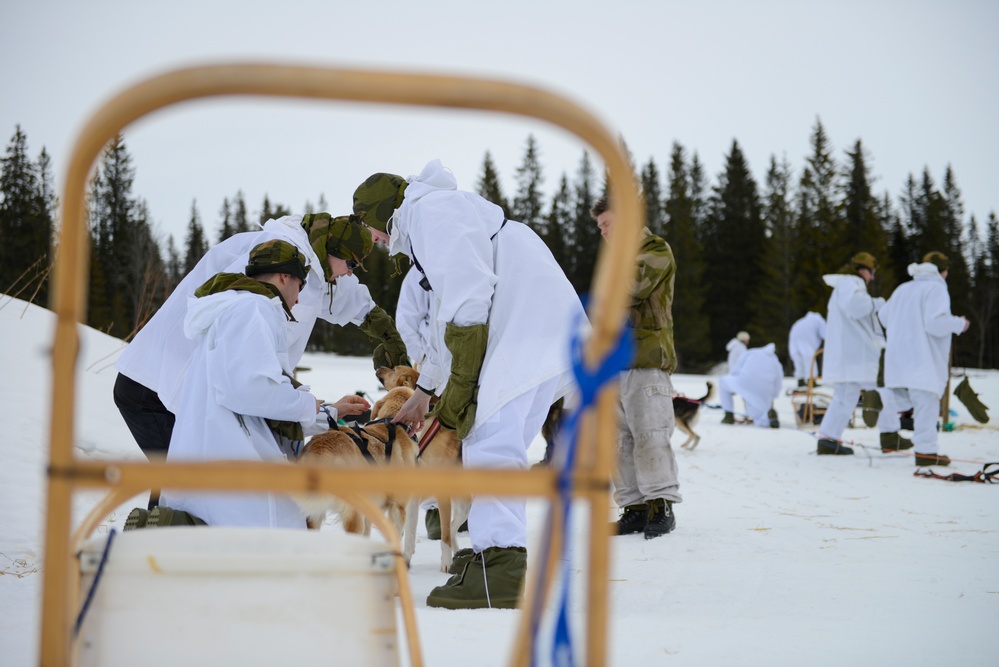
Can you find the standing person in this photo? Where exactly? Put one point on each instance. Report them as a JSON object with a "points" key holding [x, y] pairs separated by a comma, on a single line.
{"points": [[803, 341], [854, 340], [508, 343], [237, 399], [757, 377], [647, 484], [919, 323], [151, 369]]}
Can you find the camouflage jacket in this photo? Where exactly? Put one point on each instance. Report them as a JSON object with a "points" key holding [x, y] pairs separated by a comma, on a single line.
{"points": [[652, 305]]}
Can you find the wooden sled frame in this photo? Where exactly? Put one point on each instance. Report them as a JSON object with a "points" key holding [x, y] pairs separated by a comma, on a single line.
{"points": [[591, 479]]}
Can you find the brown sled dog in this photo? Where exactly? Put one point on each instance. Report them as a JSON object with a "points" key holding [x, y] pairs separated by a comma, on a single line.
{"points": [[686, 411], [442, 449], [366, 445]]}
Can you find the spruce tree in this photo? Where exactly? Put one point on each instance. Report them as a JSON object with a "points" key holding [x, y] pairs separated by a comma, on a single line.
{"points": [[774, 296], [690, 323], [489, 185], [225, 225], [196, 245], [655, 214], [527, 203], [585, 233], [558, 225], [240, 223], [25, 221], [862, 222], [733, 250]]}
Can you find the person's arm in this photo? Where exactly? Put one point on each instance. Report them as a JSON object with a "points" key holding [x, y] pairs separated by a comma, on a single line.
{"points": [[937, 318]]}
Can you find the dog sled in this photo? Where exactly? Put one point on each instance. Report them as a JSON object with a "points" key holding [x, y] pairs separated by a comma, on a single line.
{"points": [[809, 403], [120, 480]]}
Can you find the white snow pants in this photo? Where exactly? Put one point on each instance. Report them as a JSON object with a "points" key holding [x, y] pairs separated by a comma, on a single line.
{"points": [[646, 464], [802, 360], [756, 406], [844, 402], [502, 443], [925, 411]]}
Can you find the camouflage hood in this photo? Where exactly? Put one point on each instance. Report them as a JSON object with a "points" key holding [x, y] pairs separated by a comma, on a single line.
{"points": [[343, 237]]}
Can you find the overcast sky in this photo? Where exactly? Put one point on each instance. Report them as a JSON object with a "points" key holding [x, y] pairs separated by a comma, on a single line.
{"points": [[917, 81]]}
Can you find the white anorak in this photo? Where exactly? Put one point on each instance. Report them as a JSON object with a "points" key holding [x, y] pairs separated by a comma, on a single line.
{"points": [[484, 271], [757, 377], [919, 324], [735, 348], [854, 338], [804, 339], [236, 379], [159, 354], [419, 328]]}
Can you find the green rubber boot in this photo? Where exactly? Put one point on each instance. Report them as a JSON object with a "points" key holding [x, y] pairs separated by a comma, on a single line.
{"points": [[871, 402], [491, 580], [433, 522], [729, 418], [893, 442]]}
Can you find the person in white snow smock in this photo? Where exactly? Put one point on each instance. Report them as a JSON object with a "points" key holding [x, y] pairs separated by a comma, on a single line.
{"points": [[508, 311], [736, 348], [804, 339], [151, 369], [757, 377], [237, 400], [919, 324], [854, 340]]}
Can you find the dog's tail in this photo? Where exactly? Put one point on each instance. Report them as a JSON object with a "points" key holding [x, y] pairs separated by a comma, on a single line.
{"points": [[707, 396]]}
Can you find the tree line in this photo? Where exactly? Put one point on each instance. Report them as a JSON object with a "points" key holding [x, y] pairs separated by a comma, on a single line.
{"points": [[750, 255]]}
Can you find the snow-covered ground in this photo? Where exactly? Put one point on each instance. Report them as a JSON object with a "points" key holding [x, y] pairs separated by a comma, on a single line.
{"points": [[779, 557]]}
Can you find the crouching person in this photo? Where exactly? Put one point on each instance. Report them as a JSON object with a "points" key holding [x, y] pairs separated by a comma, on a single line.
{"points": [[757, 377], [237, 400]]}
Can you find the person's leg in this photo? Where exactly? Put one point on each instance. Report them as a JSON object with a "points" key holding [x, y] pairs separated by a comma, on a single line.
{"points": [[926, 410], [726, 390], [147, 419], [889, 422], [844, 401]]}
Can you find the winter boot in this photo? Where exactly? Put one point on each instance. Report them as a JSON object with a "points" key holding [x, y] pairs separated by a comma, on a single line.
{"points": [[729, 418], [633, 520], [893, 442], [661, 518], [802, 383], [827, 446], [772, 416], [433, 522], [871, 403], [459, 559], [491, 580], [463, 528], [978, 410], [932, 460], [136, 519]]}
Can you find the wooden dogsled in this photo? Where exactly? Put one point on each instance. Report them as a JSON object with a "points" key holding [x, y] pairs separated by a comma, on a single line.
{"points": [[809, 403], [590, 479]]}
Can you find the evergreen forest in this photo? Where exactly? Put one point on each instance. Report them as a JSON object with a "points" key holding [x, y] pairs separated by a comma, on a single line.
{"points": [[750, 254]]}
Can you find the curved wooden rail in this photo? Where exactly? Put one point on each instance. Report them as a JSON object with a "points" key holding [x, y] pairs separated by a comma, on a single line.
{"points": [[614, 274]]}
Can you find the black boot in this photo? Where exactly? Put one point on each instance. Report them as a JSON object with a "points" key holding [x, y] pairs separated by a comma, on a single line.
{"points": [[633, 520], [729, 418], [932, 460], [661, 518], [827, 446], [772, 416]]}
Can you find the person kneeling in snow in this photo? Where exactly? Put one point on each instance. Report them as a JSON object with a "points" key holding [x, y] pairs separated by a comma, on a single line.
{"points": [[757, 377], [237, 400]]}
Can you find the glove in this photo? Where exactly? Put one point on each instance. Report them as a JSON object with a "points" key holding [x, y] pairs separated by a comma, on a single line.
{"points": [[458, 401], [390, 350]]}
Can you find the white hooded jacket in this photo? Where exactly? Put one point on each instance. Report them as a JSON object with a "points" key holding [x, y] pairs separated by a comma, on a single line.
{"points": [[416, 320], [236, 379], [854, 338], [919, 324], [159, 354], [804, 339], [758, 377], [482, 270]]}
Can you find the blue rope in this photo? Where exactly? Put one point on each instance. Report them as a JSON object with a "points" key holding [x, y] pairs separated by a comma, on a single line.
{"points": [[590, 384], [93, 585]]}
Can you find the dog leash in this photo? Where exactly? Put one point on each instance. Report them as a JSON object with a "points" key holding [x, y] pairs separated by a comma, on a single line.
{"points": [[984, 476], [427, 436]]}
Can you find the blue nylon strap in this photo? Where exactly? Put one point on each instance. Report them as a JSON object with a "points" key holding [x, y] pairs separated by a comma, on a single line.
{"points": [[589, 383]]}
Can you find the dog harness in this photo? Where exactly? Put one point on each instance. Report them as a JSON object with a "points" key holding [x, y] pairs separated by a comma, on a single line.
{"points": [[355, 435]]}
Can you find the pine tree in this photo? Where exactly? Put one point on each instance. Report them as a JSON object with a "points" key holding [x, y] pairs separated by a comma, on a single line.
{"points": [[559, 225], [733, 249], [690, 324], [862, 222], [527, 204], [489, 185], [174, 268], [195, 245], [272, 211], [774, 297]]}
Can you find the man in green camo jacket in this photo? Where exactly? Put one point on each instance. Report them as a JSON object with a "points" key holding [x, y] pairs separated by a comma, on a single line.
{"points": [[646, 484]]}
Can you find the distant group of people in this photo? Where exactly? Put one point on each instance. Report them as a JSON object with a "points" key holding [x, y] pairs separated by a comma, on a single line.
{"points": [[211, 375], [896, 350]]}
